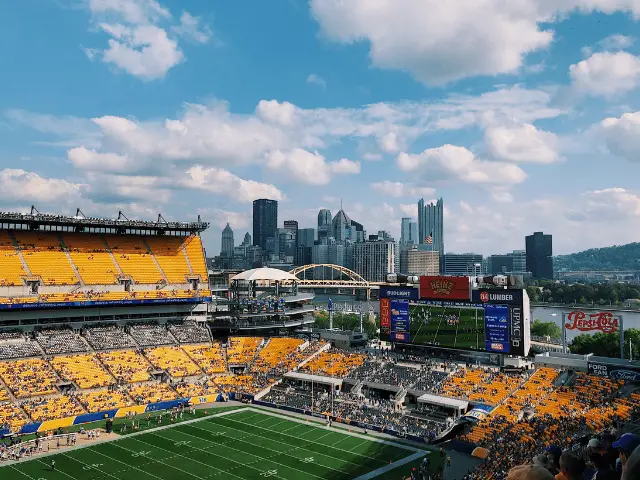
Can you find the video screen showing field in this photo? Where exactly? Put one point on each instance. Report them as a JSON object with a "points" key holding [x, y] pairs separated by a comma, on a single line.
{"points": [[448, 327]]}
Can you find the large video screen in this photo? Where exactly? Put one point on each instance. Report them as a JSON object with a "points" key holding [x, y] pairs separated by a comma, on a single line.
{"points": [[449, 325]]}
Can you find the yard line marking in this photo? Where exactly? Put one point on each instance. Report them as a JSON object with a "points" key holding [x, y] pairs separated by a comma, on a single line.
{"points": [[290, 428], [247, 453], [335, 429], [302, 447], [127, 464], [280, 453], [168, 464], [61, 471], [311, 441], [87, 465], [20, 471], [356, 446], [391, 466], [184, 471]]}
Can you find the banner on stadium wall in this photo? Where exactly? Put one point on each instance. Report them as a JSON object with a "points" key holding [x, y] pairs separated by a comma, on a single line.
{"points": [[502, 296], [444, 288], [406, 293], [385, 314], [615, 372], [101, 303], [604, 322]]}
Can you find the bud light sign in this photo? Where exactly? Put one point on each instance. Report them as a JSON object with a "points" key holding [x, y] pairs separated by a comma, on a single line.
{"points": [[404, 293]]}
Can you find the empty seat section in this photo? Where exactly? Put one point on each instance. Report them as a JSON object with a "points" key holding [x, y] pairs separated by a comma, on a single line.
{"points": [[11, 268], [91, 258], [170, 256], [173, 360], [103, 400], [193, 246], [52, 408], [242, 350], [11, 417], [46, 258], [150, 393], [209, 358], [131, 254]]}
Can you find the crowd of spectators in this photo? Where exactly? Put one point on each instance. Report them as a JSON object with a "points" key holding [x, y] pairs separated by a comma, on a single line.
{"points": [[23, 349], [387, 372], [150, 335], [108, 338], [59, 341], [190, 332]]}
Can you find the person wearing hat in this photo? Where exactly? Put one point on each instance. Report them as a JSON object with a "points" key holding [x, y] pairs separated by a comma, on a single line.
{"points": [[553, 454], [626, 444]]}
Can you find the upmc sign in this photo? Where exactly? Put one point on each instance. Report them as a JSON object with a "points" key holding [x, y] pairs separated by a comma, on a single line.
{"points": [[444, 288]]}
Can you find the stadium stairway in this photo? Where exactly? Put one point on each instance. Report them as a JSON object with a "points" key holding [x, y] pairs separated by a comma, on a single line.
{"points": [[20, 255], [113, 257], [155, 260], [184, 251], [73, 265]]}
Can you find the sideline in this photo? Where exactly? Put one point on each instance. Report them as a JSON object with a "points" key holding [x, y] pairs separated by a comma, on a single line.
{"points": [[9, 463], [391, 466]]}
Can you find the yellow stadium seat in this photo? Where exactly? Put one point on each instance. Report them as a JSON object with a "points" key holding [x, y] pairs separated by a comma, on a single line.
{"points": [[134, 259], [90, 256], [170, 256], [45, 257], [10, 264]]}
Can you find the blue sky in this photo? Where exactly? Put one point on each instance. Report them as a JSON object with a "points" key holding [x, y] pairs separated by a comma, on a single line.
{"points": [[522, 115]]}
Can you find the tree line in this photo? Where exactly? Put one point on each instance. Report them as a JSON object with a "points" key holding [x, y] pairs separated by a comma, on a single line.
{"points": [[599, 294]]}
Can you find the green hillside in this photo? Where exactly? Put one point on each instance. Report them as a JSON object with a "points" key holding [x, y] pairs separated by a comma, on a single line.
{"points": [[618, 257]]}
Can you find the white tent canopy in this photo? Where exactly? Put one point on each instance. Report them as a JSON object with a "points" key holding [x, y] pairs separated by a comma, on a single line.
{"points": [[270, 274]]}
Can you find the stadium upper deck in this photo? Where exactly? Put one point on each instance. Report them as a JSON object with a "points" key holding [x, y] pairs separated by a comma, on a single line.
{"points": [[51, 259]]}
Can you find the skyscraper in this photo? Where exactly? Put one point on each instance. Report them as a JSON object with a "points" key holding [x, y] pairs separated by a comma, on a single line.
{"points": [[431, 223], [413, 230], [324, 224], [539, 255], [265, 224], [227, 242], [292, 225], [405, 231], [374, 259]]}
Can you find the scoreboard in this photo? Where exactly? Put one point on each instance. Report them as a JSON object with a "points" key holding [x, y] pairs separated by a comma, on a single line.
{"points": [[488, 320]]}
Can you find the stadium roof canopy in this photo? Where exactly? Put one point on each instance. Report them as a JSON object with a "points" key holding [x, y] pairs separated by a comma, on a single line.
{"points": [[443, 401], [305, 377], [272, 274]]}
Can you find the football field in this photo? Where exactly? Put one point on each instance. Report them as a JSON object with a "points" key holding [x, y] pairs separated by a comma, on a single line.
{"points": [[450, 327], [242, 444]]}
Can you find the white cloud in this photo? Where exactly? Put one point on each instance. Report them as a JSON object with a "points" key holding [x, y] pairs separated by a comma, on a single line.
{"points": [[617, 42], [400, 189], [139, 43], [190, 28], [438, 42], [606, 74], [142, 189], [458, 163], [145, 52], [522, 143], [315, 79], [237, 220], [345, 166], [226, 183], [86, 159], [622, 135], [19, 185], [301, 165]]}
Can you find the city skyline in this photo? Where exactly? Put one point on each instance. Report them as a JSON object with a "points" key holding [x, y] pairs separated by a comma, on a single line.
{"points": [[317, 102]]}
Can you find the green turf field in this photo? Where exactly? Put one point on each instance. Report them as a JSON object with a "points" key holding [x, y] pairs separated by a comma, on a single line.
{"points": [[428, 324], [242, 444]]}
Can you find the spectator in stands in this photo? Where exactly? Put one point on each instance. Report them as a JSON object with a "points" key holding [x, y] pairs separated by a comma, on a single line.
{"points": [[553, 454], [571, 467], [626, 445], [631, 469], [529, 472], [603, 470]]}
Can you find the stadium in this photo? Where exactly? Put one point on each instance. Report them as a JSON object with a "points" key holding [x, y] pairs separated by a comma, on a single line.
{"points": [[119, 360]]}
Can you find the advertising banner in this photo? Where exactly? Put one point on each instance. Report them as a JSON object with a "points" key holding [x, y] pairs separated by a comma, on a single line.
{"points": [[615, 372], [385, 314], [101, 303], [444, 288], [496, 319], [399, 292], [502, 296], [604, 322], [400, 316]]}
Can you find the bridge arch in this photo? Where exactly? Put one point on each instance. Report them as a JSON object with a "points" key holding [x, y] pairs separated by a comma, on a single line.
{"points": [[352, 278]]}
